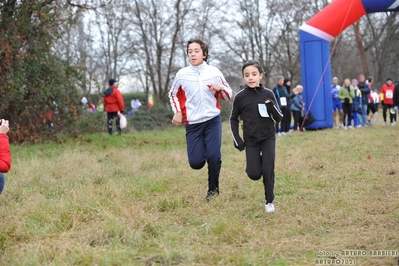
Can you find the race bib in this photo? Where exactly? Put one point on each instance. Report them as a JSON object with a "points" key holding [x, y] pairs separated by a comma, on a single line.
{"points": [[262, 110], [283, 101], [389, 94]]}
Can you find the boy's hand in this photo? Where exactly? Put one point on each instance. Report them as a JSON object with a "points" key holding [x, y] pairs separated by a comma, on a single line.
{"points": [[177, 119], [217, 87]]}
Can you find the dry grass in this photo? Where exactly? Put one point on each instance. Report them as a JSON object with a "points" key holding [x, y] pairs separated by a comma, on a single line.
{"points": [[133, 200]]}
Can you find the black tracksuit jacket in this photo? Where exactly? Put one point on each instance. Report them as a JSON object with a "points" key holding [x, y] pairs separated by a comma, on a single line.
{"points": [[246, 107]]}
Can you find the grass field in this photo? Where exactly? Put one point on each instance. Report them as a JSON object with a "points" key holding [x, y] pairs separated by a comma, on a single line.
{"points": [[133, 200]]}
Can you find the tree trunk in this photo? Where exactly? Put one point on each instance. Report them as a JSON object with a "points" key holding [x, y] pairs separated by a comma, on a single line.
{"points": [[360, 46]]}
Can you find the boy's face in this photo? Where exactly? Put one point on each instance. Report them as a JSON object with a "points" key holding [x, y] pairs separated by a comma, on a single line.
{"points": [[195, 54], [252, 76]]}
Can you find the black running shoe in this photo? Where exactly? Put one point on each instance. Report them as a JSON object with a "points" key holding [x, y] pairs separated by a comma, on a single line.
{"points": [[211, 194]]}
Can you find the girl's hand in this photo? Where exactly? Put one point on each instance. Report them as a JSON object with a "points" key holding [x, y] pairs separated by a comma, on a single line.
{"points": [[177, 119], [4, 126], [267, 101]]}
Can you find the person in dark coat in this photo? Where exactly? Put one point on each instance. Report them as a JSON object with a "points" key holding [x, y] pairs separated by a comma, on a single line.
{"points": [[283, 97], [257, 107]]}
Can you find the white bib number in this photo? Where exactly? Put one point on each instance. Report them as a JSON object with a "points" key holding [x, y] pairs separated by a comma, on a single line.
{"points": [[283, 101], [389, 94], [262, 110]]}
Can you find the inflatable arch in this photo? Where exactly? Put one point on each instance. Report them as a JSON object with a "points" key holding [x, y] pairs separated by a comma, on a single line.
{"points": [[315, 37]]}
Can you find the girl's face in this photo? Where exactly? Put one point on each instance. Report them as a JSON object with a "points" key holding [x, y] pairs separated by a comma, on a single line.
{"points": [[347, 82], [195, 54], [354, 84], [252, 76]]}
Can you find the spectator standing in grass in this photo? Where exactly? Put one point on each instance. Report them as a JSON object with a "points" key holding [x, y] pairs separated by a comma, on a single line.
{"points": [[387, 101], [372, 108], [257, 107], [194, 97], [5, 154], [396, 99], [356, 105], [297, 106], [365, 92], [113, 104], [346, 94], [283, 98], [337, 104]]}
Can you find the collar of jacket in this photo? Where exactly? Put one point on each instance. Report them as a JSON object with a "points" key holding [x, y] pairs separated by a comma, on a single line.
{"points": [[199, 68], [256, 88]]}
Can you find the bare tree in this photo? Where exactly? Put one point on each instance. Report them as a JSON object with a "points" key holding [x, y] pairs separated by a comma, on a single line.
{"points": [[360, 46], [381, 39], [159, 24], [249, 32], [113, 23], [145, 40]]}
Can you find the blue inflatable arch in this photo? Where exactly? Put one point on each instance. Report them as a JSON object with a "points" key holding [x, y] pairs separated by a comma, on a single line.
{"points": [[315, 37]]}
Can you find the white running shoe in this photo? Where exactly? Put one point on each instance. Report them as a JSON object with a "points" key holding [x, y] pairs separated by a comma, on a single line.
{"points": [[384, 124], [350, 127], [283, 134], [394, 123], [345, 127], [278, 134], [269, 207], [358, 126]]}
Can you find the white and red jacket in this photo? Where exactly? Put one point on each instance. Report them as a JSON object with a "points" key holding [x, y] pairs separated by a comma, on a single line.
{"points": [[191, 94]]}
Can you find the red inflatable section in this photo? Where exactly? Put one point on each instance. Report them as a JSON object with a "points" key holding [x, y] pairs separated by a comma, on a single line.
{"points": [[332, 20]]}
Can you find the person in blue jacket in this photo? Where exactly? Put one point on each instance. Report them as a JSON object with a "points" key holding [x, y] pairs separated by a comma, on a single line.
{"points": [[297, 107], [337, 104], [365, 92], [356, 105]]}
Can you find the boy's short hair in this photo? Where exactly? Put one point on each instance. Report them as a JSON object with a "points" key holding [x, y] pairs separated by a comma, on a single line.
{"points": [[202, 43]]}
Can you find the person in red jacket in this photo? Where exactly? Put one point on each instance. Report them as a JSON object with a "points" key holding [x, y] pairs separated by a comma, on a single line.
{"points": [[113, 104], [387, 101], [5, 155]]}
